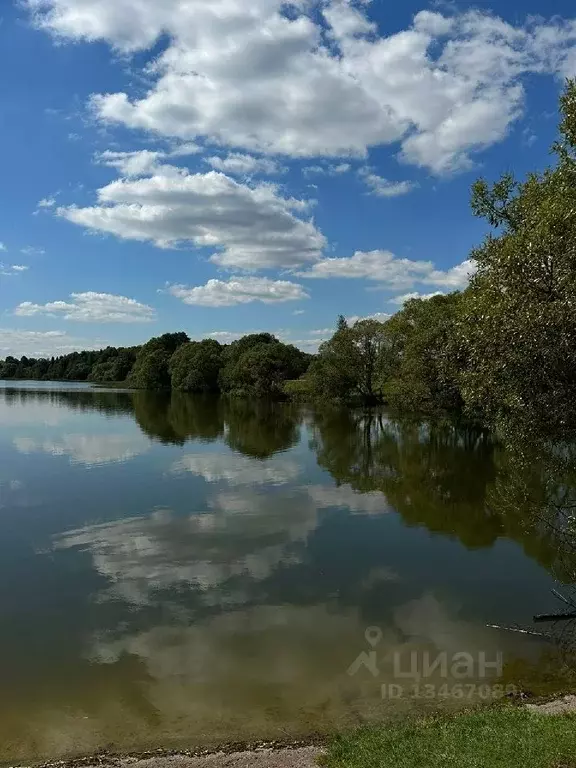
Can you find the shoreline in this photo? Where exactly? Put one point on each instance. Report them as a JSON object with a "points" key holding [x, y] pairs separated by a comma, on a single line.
{"points": [[229, 754], [276, 753]]}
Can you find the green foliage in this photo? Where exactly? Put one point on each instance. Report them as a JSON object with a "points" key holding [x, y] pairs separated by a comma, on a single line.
{"points": [[77, 366], [151, 370], [152, 366], [519, 318], [422, 358], [298, 389], [349, 366], [114, 365], [258, 366], [195, 366], [168, 342]]}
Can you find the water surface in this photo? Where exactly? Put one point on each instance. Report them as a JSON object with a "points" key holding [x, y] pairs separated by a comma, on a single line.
{"points": [[180, 571]]}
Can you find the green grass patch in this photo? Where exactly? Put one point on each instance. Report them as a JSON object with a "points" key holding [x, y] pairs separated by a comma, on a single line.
{"points": [[487, 738]]}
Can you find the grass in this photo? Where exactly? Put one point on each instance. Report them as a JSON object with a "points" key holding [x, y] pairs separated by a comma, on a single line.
{"points": [[506, 737]]}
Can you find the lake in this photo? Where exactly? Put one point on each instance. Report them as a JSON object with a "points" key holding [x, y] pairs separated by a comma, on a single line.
{"points": [[182, 571]]}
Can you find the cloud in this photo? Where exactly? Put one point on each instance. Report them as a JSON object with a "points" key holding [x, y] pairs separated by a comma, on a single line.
{"points": [[415, 295], [243, 534], [43, 343], [306, 340], [91, 307], [384, 267], [89, 450], [139, 163], [226, 337], [382, 187], [3, 247], [47, 202], [335, 169], [237, 470], [299, 312], [9, 270], [31, 250], [143, 162], [244, 165], [239, 290], [371, 503], [319, 82], [381, 317], [248, 226], [184, 149]]}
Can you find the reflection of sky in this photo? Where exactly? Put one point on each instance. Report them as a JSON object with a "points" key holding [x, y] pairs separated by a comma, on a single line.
{"points": [[242, 534], [372, 503], [187, 592], [235, 469], [35, 412], [87, 449]]}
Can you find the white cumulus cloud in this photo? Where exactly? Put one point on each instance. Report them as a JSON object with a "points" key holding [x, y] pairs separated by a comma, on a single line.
{"points": [[384, 267], [414, 295], [91, 307], [382, 187], [239, 164], [248, 226], [319, 81], [333, 169], [239, 290], [381, 317]]}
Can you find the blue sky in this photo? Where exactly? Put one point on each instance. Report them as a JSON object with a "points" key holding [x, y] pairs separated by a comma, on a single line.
{"points": [[222, 167]]}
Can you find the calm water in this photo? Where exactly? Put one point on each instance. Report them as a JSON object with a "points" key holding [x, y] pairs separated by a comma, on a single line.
{"points": [[188, 571]]}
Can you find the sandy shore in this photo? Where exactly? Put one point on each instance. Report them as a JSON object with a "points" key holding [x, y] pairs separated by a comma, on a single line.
{"points": [[262, 757]]}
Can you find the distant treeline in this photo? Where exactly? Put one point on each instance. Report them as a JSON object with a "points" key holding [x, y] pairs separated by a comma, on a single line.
{"points": [[504, 349], [256, 365]]}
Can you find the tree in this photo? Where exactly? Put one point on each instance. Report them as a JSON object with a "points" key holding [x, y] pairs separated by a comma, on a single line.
{"points": [[519, 319], [348, 365], [151, 368], [195, 366], [168, 342], [8, 367], [114, 365], [422, 359], [262, 369]]}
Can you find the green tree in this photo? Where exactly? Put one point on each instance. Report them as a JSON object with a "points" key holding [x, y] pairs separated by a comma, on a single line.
{"points": [[152, 365], [151, 370], [422, 358], [349, 365], [519, 319], [259, 364], [195, 366]]}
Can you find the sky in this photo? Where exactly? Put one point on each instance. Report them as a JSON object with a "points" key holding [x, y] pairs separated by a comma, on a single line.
{"points": [[224, 167]]}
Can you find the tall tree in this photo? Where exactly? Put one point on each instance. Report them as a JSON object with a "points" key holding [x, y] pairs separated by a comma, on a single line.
{"points": [[519, 320]]}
